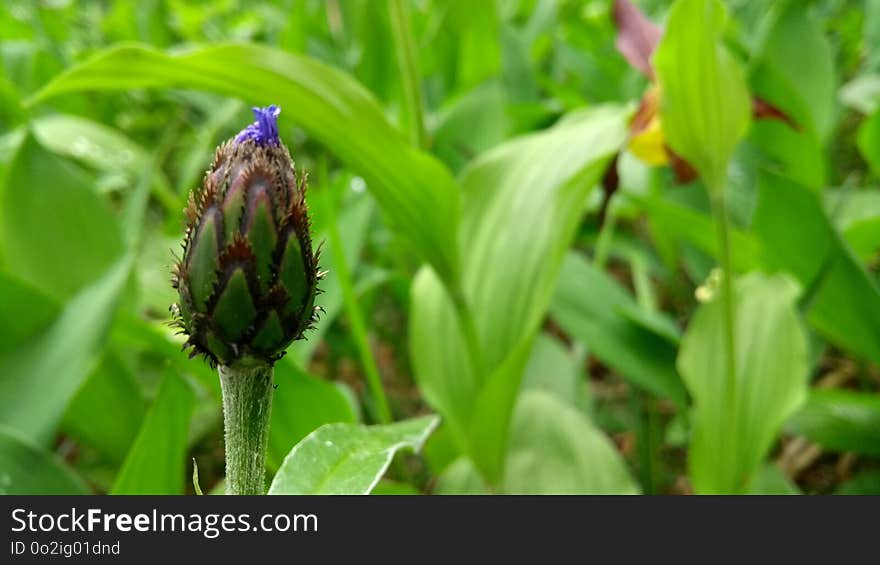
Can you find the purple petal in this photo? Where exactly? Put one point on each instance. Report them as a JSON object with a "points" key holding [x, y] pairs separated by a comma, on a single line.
{"points": [[637, 36], [264, 131]]}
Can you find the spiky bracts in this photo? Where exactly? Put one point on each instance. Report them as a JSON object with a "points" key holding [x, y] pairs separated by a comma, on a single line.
{"points": [[248, 277]]}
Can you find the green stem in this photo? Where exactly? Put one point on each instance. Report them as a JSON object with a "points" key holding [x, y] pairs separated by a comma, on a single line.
{"points": [[606, 235], [722, 226], [352, 309], [406, 62], [247, 404]]}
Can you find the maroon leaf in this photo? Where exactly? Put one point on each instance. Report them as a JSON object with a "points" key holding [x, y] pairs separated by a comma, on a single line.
{"points": [[637, 36]]}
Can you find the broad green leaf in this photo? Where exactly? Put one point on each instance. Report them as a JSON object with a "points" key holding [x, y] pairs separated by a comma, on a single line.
{"points": [[797, 155], [734, 428], [823, 265], [552, 368], [555, 449], [38, 379], [347, 458], [57, 233], [471, 124], [148, 470], [107, 411], [28, 309], [103, 148], [93, 143], [416, 193], [840, 420], [27, 469], [705, 105], [591, 307], [793, 68], [301, 404], [531, 189]]}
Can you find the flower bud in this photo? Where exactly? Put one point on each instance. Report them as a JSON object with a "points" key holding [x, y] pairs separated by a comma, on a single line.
{"points": [[248, 277]]}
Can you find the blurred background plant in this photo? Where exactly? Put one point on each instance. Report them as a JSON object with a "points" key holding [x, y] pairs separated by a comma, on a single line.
{"points": [[516, 199]]}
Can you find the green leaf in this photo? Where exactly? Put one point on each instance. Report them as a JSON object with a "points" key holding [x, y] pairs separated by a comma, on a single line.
{"points": [[797, 155], [148, 470], [301, 404], [471, 124], [103, 148], [415, 191], [30, 309], [347, 458], [533, 190], [26, 469], [552, 368], [840, 420], [108, 409], [55, 231], [771, 381], [823, 265], [793, 68], [38, 379], [591, 307], [705, 105], [555, 449]]}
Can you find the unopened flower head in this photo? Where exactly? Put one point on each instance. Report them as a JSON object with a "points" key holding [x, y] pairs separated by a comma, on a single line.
{"points": [[248, 277]]}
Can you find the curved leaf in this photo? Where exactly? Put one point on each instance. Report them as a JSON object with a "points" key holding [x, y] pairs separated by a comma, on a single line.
{"points": [[38, 380], [148, 470], [57, 233], [591, 307], [733, 429], [555, 449], [415, 191], [25, 469], [705, 105], [347, 458], [532, 190], [840, 420]]}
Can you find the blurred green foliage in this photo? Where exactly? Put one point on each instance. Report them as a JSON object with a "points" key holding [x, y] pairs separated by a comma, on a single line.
{"points": [[496, 254]]}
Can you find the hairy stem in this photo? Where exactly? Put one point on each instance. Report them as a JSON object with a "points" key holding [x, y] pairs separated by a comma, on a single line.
{"points": [[247, 404]]}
